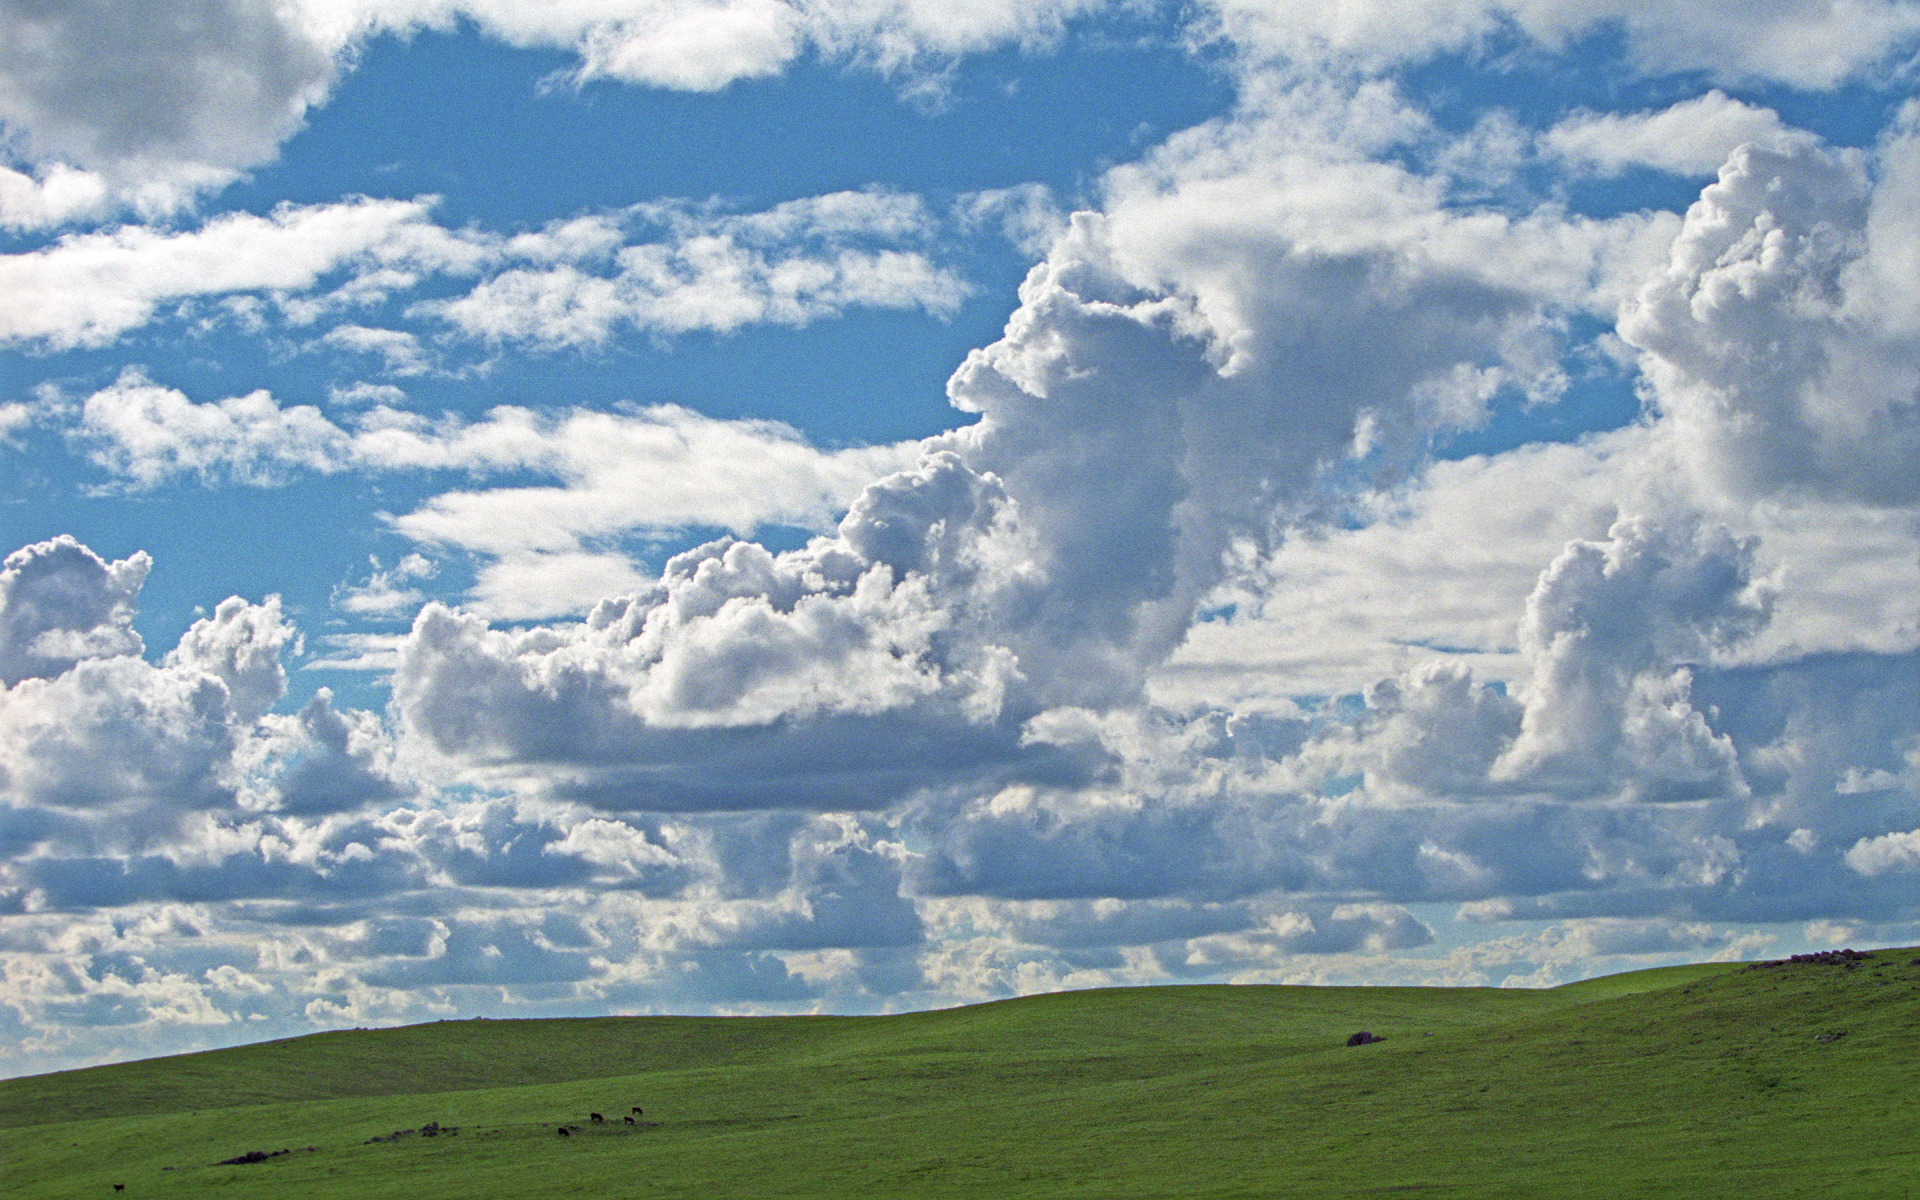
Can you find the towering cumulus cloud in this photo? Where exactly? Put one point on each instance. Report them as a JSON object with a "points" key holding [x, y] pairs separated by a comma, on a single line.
{"points": [[103, 749], [1778, 339], [1135, 420], [1613, 630]]}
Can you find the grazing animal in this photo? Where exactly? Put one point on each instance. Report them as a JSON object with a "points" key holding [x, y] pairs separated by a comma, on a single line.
{"points": [[562, 1131], [119, 1187], [1363, 1038], [596, 1118], [629, 1120]]}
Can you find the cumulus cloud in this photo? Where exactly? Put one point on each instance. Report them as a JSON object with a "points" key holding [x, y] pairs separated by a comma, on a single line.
{"points": [[1189, 343], [53, 195], [61, 603], [1888, 852], [1693, 137], [100, 746], [1612, 630], [345, 761], [158, 100], [1766, 341], [146, 435]]}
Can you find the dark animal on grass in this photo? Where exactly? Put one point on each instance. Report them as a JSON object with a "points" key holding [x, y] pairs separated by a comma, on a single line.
{"points": [[637, 1112], [596, 1118], [562, 1131], [119, 1187], [1363, 1038], [629, 1120]]}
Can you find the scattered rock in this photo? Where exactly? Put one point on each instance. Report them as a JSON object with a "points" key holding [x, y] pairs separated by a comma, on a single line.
{"points": [[1834, 958], [251, 1156], [1826, 1039], [430, 1129]]}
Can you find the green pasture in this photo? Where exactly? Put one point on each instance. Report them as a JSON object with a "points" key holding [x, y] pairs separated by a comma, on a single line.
{"points": [[1715, 1080]]}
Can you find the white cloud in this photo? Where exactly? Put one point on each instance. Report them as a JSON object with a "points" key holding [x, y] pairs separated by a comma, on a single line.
{"points": [[1693, 137], [1027, 215], [658, 468], [703, 45], [146, 434], [54, 195], [617, 474], [240, 645], [386, 592], [15, 417], [401, 352], [693, 267], [100, 747], [87, 289], [1332, 609], [60, 603], [157, 101], [357, 652], [1190, 345], [1767, 339], [146, 107], [1888, 852], [540, 584], [694, 47], [362, 392], [801, 261], [339, 761], [1611, 630], [1804, 43]]}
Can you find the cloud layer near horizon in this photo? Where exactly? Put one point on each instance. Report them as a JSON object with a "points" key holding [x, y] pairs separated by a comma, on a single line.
{"points": [[1188, 658]]}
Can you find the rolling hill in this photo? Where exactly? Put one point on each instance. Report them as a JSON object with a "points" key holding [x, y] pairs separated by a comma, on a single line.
{"points": [[1758, 1080]]}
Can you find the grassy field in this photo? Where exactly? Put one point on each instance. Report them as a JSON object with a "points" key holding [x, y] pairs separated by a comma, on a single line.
{"points": [[1716, 1080]]}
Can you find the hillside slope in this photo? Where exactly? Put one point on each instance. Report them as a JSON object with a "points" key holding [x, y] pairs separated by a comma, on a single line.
{"points": [[1764, 1080]]}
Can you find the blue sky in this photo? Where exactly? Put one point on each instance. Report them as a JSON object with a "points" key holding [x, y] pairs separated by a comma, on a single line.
{"points": [[747, 506]]}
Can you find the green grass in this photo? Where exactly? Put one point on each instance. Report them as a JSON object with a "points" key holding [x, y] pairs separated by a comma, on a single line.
{"points": [[1685, 1082]]}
